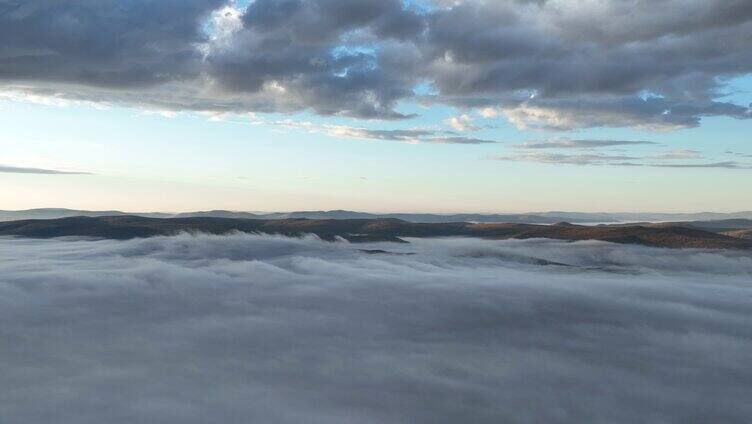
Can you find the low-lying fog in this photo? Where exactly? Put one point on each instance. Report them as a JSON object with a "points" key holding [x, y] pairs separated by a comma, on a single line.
{"points": [[262, 329]]}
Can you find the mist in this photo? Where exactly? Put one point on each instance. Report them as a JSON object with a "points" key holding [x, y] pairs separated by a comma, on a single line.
{"points": [[263, 329]]}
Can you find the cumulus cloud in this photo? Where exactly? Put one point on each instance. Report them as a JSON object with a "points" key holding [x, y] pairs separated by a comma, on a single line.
{"points": [[539, 64], [461, 123], [246, 328], [563, 65], [24, 170]]}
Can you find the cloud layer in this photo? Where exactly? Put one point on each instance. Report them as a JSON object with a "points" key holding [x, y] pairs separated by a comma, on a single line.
{"points": [[659, 160], [246, 328], [550, 64], [358, 133], [566, 143], [25, 170]]}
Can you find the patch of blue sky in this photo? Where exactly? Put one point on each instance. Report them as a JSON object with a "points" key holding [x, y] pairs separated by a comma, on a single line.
{"points": [[738, 90]]}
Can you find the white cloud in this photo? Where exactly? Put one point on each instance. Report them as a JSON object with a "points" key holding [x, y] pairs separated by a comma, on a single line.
{"points": [[461, 123], [489, 112], [524, 117], [584, 114], [26, 95], [659, 160], [409, 136], [567, 143], [243, 328], [574, 159], [678, 154]]}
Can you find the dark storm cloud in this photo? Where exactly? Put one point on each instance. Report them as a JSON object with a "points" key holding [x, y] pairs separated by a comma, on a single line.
{"points": [[544, 64], [265, 329], [24, 170]]}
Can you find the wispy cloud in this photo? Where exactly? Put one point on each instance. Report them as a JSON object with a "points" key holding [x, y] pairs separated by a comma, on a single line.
{"points": [[726, 165], [738, 154], [413, 136], [457, 140], [566, 143], [342, 131], [620, 160], [677, 154], [410, 136], [25, 170], [578, 159]]}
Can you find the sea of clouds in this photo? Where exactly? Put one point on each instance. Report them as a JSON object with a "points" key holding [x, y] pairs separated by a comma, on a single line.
{"points": [[264, 329]]}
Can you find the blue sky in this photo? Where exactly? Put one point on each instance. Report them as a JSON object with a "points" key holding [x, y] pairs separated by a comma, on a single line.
{"points": [[147, 161], [139, 152]]}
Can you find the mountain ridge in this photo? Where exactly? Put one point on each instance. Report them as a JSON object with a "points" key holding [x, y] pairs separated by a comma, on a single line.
{"points": [[367, 230], [551, 217]]}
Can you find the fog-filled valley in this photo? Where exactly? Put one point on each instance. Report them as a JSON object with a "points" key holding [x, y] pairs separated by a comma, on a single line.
{"points": [[375, 212], [247, 328]]}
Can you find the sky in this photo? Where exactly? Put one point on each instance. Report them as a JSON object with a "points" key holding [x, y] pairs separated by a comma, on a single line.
{"points": [[376, 105]]}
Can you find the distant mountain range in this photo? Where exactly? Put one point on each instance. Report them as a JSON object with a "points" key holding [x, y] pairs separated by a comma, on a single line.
{"points": [[527, 218], [372, 230]]}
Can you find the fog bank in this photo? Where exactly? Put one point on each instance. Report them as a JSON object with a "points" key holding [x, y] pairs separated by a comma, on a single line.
{"points": [[264, 329]]}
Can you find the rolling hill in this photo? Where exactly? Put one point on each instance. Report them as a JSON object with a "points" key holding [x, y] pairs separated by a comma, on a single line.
{"points": [[359, 230]]}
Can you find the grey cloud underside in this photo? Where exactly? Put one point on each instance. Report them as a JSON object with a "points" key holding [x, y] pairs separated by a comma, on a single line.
{"points": [[23, 170], [195, 329], [556, 65], [105, 43]]}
